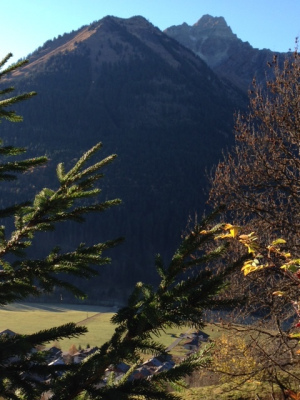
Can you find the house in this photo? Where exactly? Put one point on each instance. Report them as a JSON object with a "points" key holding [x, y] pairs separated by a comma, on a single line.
{"points": [[166, 366], [59, 361], [153, 362], [165, 357], [195, 340], [8, 332], [78, 357], [121, 368], [118, 370], [139, 373], [67, 357], [81, 355], [192, 345], [53, 353], [203, 337], [90, 350]]}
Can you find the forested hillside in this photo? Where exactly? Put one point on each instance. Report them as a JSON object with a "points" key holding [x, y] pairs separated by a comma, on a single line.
{"points": [[148, 99]]}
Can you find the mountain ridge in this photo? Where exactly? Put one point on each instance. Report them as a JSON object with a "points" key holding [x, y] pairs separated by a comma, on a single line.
{"points": [[148, 99], [229, 57], [137, 26]]}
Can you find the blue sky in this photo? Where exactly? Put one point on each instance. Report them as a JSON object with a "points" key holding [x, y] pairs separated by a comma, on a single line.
{"points": [[27, 24]]}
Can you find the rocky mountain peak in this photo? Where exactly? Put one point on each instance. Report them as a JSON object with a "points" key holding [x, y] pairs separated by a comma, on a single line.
{"points": [[210, 38], [216, 26], [136, 20], [215, 43]]}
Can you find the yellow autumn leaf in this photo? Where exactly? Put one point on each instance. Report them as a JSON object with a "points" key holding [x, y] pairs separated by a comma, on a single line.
{"points": [[233, 229], [247, 270], [295, 335], [250, 266], [278, 241], [249, 242], [251, 248], [278, 293], [287, 255]]}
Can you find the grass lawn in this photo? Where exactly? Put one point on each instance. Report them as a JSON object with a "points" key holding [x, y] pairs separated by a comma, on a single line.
{"points": [[26, 318]]}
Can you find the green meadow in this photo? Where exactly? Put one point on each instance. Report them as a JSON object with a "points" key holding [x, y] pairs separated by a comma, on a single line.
{"points": [[26, 318], [29, 318]]}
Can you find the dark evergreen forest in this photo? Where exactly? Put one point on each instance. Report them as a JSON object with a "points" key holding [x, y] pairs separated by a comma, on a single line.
{"points": [[167, 123]]}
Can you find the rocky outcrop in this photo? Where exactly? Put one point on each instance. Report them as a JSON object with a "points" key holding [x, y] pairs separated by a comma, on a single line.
{"points": [[231, 58]]}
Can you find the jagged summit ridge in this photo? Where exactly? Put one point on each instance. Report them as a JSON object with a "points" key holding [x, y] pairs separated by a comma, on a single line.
{"points": [[215, 43], [215, 25], [206, 25], [210, 38]]}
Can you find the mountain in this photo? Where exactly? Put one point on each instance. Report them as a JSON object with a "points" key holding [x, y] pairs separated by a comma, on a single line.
{"points": [[150, 100], [229, 57]]}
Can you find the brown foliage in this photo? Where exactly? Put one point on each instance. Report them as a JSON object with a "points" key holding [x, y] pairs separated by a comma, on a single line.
{"points": [[259, 181]]}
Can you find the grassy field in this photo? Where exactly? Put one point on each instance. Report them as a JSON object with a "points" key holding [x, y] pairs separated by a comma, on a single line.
{"points": [[28, 318]]}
